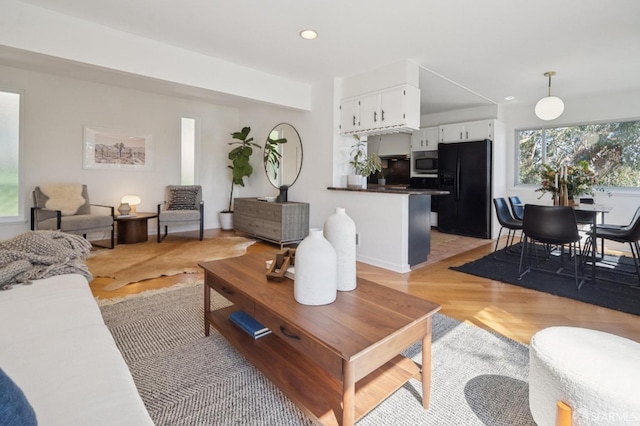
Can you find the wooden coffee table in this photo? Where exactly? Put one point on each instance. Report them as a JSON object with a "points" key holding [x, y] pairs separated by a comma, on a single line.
{"points": [[345, 354]]}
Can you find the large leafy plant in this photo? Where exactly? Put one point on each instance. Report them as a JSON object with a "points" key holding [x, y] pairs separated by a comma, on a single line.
{"points": [[240, 156], [363, 164]]}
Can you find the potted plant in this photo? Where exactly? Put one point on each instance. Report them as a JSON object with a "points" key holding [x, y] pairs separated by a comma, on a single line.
{"points": [[240, 168], [362, 164]]}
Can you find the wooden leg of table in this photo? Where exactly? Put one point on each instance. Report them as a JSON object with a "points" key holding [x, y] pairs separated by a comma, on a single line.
{"points": [[207, 308], [348, 393], [426, 368]]}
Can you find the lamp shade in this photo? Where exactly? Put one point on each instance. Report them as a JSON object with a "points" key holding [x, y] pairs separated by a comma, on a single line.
{"points": [[132, 200], [549, 108]]}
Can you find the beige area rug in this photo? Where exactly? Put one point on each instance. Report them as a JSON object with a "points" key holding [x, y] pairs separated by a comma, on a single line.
{"points": [[130, 263]]}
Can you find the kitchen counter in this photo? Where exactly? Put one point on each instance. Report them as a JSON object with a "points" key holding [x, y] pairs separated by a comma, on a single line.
{"points": [[394, 231], [392, 189]]}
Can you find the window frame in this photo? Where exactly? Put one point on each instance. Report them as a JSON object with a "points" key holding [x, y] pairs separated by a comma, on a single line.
{"points": [[21, 217], [544, 128]]}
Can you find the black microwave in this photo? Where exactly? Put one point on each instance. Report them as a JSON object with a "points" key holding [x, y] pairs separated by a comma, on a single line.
{"points": [[425, 165]]}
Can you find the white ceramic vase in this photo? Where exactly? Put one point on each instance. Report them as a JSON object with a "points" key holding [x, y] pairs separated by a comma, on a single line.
{"points": [[315, 279], [340, 231]]}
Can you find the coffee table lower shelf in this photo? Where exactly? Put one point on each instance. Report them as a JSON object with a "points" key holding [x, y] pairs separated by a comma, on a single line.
{"points": [[317, 393]]}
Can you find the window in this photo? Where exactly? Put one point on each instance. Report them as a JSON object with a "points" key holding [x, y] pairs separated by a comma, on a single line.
{"points": [[612, 150], [188, 147], [9, 155]]}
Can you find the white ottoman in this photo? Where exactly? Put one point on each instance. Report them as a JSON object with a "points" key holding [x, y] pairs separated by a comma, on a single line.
{"points": [[597, 374]]}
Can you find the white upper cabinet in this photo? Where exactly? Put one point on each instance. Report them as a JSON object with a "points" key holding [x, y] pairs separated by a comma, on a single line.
{"points": [[469, 131], [425, 139], [385, 111], [350, 115]]}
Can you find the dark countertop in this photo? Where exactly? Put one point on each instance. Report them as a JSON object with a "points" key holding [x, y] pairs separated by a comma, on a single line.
{"points": [[393, 189]]}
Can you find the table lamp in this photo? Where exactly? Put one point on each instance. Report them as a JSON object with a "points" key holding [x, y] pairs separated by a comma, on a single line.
{"points": [[129, 200]]}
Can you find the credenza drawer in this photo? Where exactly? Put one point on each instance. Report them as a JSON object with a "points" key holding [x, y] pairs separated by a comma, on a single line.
{"points": [[232, 294], [303, 343]]}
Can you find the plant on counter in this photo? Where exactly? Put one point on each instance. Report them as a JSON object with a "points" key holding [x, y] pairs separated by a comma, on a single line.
{"points": [[363, 164]]}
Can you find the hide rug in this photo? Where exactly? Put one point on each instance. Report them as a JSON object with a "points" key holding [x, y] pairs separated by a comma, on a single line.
{"points": [[130, 263]]}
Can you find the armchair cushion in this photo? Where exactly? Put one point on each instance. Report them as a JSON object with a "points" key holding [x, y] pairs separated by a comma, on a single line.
{"points": [[183, 198], [70, 199]]}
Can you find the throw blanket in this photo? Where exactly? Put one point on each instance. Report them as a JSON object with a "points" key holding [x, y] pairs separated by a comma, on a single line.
{"points": [[42, 254]]}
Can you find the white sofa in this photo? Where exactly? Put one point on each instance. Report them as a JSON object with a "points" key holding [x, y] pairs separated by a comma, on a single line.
{"points": [[55, 346]]}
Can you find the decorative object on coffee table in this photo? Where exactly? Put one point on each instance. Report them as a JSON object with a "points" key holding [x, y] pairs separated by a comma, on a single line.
{"points": [[278, 268], [315, 281], [340, 231], [124, 208]]}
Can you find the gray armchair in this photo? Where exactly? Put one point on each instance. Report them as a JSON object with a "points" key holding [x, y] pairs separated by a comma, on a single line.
{"points": [[67, 207], [182, 205]]}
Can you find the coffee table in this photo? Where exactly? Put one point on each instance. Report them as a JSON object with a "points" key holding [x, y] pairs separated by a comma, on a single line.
{"points": [[345, 354]]}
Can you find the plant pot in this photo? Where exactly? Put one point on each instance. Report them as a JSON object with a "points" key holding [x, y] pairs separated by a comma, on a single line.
{"points": [[354, 181], [226, 221]]}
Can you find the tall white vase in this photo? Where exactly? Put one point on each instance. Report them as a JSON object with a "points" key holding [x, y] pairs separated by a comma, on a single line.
{"points": [[316, 276], [340, 231]]}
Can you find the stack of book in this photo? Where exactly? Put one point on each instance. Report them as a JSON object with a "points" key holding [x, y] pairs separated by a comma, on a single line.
{"points": [[249, 324]]}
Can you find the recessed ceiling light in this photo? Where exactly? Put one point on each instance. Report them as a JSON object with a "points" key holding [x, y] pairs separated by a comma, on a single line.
{"points": [[308, 34], [510, 98]]}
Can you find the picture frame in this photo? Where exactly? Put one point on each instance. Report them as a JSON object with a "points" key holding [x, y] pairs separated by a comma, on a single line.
{"points": [[106, 149]]}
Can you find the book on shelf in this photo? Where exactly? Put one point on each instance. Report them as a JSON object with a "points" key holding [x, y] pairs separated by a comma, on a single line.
{"points": [[249, 324]]}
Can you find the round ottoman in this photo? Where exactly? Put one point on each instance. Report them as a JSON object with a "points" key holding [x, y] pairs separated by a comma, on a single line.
{"points": [[597, 374]]}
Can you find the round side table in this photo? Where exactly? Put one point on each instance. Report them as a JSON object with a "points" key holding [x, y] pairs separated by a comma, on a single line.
{"points": [[133, 228]]}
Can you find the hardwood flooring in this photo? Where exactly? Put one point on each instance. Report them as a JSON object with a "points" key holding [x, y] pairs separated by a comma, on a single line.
{"points": [[510, 310]]}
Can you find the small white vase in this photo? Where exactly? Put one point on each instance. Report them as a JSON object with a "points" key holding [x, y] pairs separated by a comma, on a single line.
{"points": [[340, 231], [315, 279]]}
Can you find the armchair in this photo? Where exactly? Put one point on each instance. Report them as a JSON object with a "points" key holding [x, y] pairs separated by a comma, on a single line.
{"points": [[66, 207], [182, 205]]}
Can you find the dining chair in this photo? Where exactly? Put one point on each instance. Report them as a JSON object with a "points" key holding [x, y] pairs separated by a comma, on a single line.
{"points": [[629, 234], [517, 207], [506, 221], [552, 226]]}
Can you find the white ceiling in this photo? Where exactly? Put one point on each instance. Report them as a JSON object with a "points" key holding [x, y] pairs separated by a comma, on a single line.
{"points": [[472, 52]]}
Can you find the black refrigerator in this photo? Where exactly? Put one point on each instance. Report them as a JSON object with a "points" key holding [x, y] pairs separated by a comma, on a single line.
{"points": [[464, 169]]}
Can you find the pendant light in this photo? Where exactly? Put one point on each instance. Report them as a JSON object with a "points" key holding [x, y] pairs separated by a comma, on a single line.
{"points": [[549, 107]]}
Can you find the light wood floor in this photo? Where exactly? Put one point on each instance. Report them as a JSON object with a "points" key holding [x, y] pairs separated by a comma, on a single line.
{"points": [[510, 310]]}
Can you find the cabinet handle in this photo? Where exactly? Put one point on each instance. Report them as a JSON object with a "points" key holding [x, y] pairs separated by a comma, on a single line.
{"points": [[467, 134], [354, 120], [375, 116], [288, 334], [382, 115], [460, 135]]}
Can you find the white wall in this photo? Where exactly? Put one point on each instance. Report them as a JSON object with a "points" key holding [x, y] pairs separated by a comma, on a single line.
{"points": [[56, 109]]}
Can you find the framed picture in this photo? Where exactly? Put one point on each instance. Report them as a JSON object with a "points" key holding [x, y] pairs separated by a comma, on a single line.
{"points": [[110, 149]]}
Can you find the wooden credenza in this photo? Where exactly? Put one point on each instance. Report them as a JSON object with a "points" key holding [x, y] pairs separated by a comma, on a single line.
{"points": [[281, 223]]}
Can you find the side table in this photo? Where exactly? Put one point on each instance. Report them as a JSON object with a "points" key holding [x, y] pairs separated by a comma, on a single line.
{"points": [[133, 228]]}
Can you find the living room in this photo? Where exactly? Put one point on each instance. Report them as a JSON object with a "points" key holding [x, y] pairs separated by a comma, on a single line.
{"points": [[111, 80]]}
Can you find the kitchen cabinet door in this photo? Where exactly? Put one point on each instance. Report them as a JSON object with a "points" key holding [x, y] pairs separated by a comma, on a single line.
{"points": [[370, 117], [425, 139], [349, 115], [452, 132], [478, 130], [392, 107]]}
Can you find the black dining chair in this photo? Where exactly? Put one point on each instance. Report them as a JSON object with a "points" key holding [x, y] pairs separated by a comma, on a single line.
{"points": [[517, 207], [622, 234], [551, 226], [506, 221]]}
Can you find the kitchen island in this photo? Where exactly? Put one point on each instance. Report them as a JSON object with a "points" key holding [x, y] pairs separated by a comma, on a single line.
{"points": [[393, 224]]}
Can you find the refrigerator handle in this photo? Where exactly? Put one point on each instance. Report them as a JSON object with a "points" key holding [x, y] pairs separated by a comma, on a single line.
{"points": [[458, 178]]}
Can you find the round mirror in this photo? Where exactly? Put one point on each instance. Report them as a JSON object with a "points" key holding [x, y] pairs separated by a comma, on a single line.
{"points": [[283, 155]]}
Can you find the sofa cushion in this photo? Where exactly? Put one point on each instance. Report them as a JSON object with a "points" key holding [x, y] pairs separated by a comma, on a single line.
{"points": [[14, 406], [79, 223]]}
